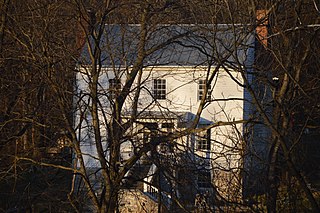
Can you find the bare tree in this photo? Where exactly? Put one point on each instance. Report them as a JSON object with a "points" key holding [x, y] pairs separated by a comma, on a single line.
{"points": [[161, 95], [278, 90], [121, 101], [281, 91], [37, 48], [37, 113]]}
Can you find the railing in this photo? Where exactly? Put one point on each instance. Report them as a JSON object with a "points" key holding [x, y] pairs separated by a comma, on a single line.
{"points": [[153, 193]]}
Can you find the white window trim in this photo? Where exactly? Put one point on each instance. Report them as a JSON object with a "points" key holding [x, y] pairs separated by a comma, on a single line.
{"points": [[159, 93], [203, 142], [201, 90]]}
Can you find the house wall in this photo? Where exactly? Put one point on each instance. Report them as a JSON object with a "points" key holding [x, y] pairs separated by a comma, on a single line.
{"points": [[182, 96]]}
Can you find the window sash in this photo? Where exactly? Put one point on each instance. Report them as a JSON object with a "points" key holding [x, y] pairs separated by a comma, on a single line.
{"points": [[201, 90], [204, 179], [159, 88], [203, 141], [114, 87]]}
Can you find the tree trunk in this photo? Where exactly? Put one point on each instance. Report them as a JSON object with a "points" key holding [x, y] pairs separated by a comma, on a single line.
{"points": [[112, 201], [273, 182]]}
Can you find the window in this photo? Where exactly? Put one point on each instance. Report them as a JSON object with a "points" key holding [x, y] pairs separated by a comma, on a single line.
{"points": [[201, 89], [149, 130], [204, 179], [166, 147], [151, 126], [203, 140], [114, 87], [168, 126], [159, 88]]}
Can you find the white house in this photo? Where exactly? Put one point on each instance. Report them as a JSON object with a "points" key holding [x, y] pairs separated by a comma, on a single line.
{"points": [[171, 86]]}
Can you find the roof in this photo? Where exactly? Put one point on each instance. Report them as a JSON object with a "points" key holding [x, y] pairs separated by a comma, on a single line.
{"points": [[182, 117], [175, 45]]}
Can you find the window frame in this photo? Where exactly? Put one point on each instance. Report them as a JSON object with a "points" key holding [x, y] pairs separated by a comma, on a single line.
{"points": [[203, 140], [204, 179], [149, 130], [114, 87], [159, 89], [201, 89], [167, 147]]}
